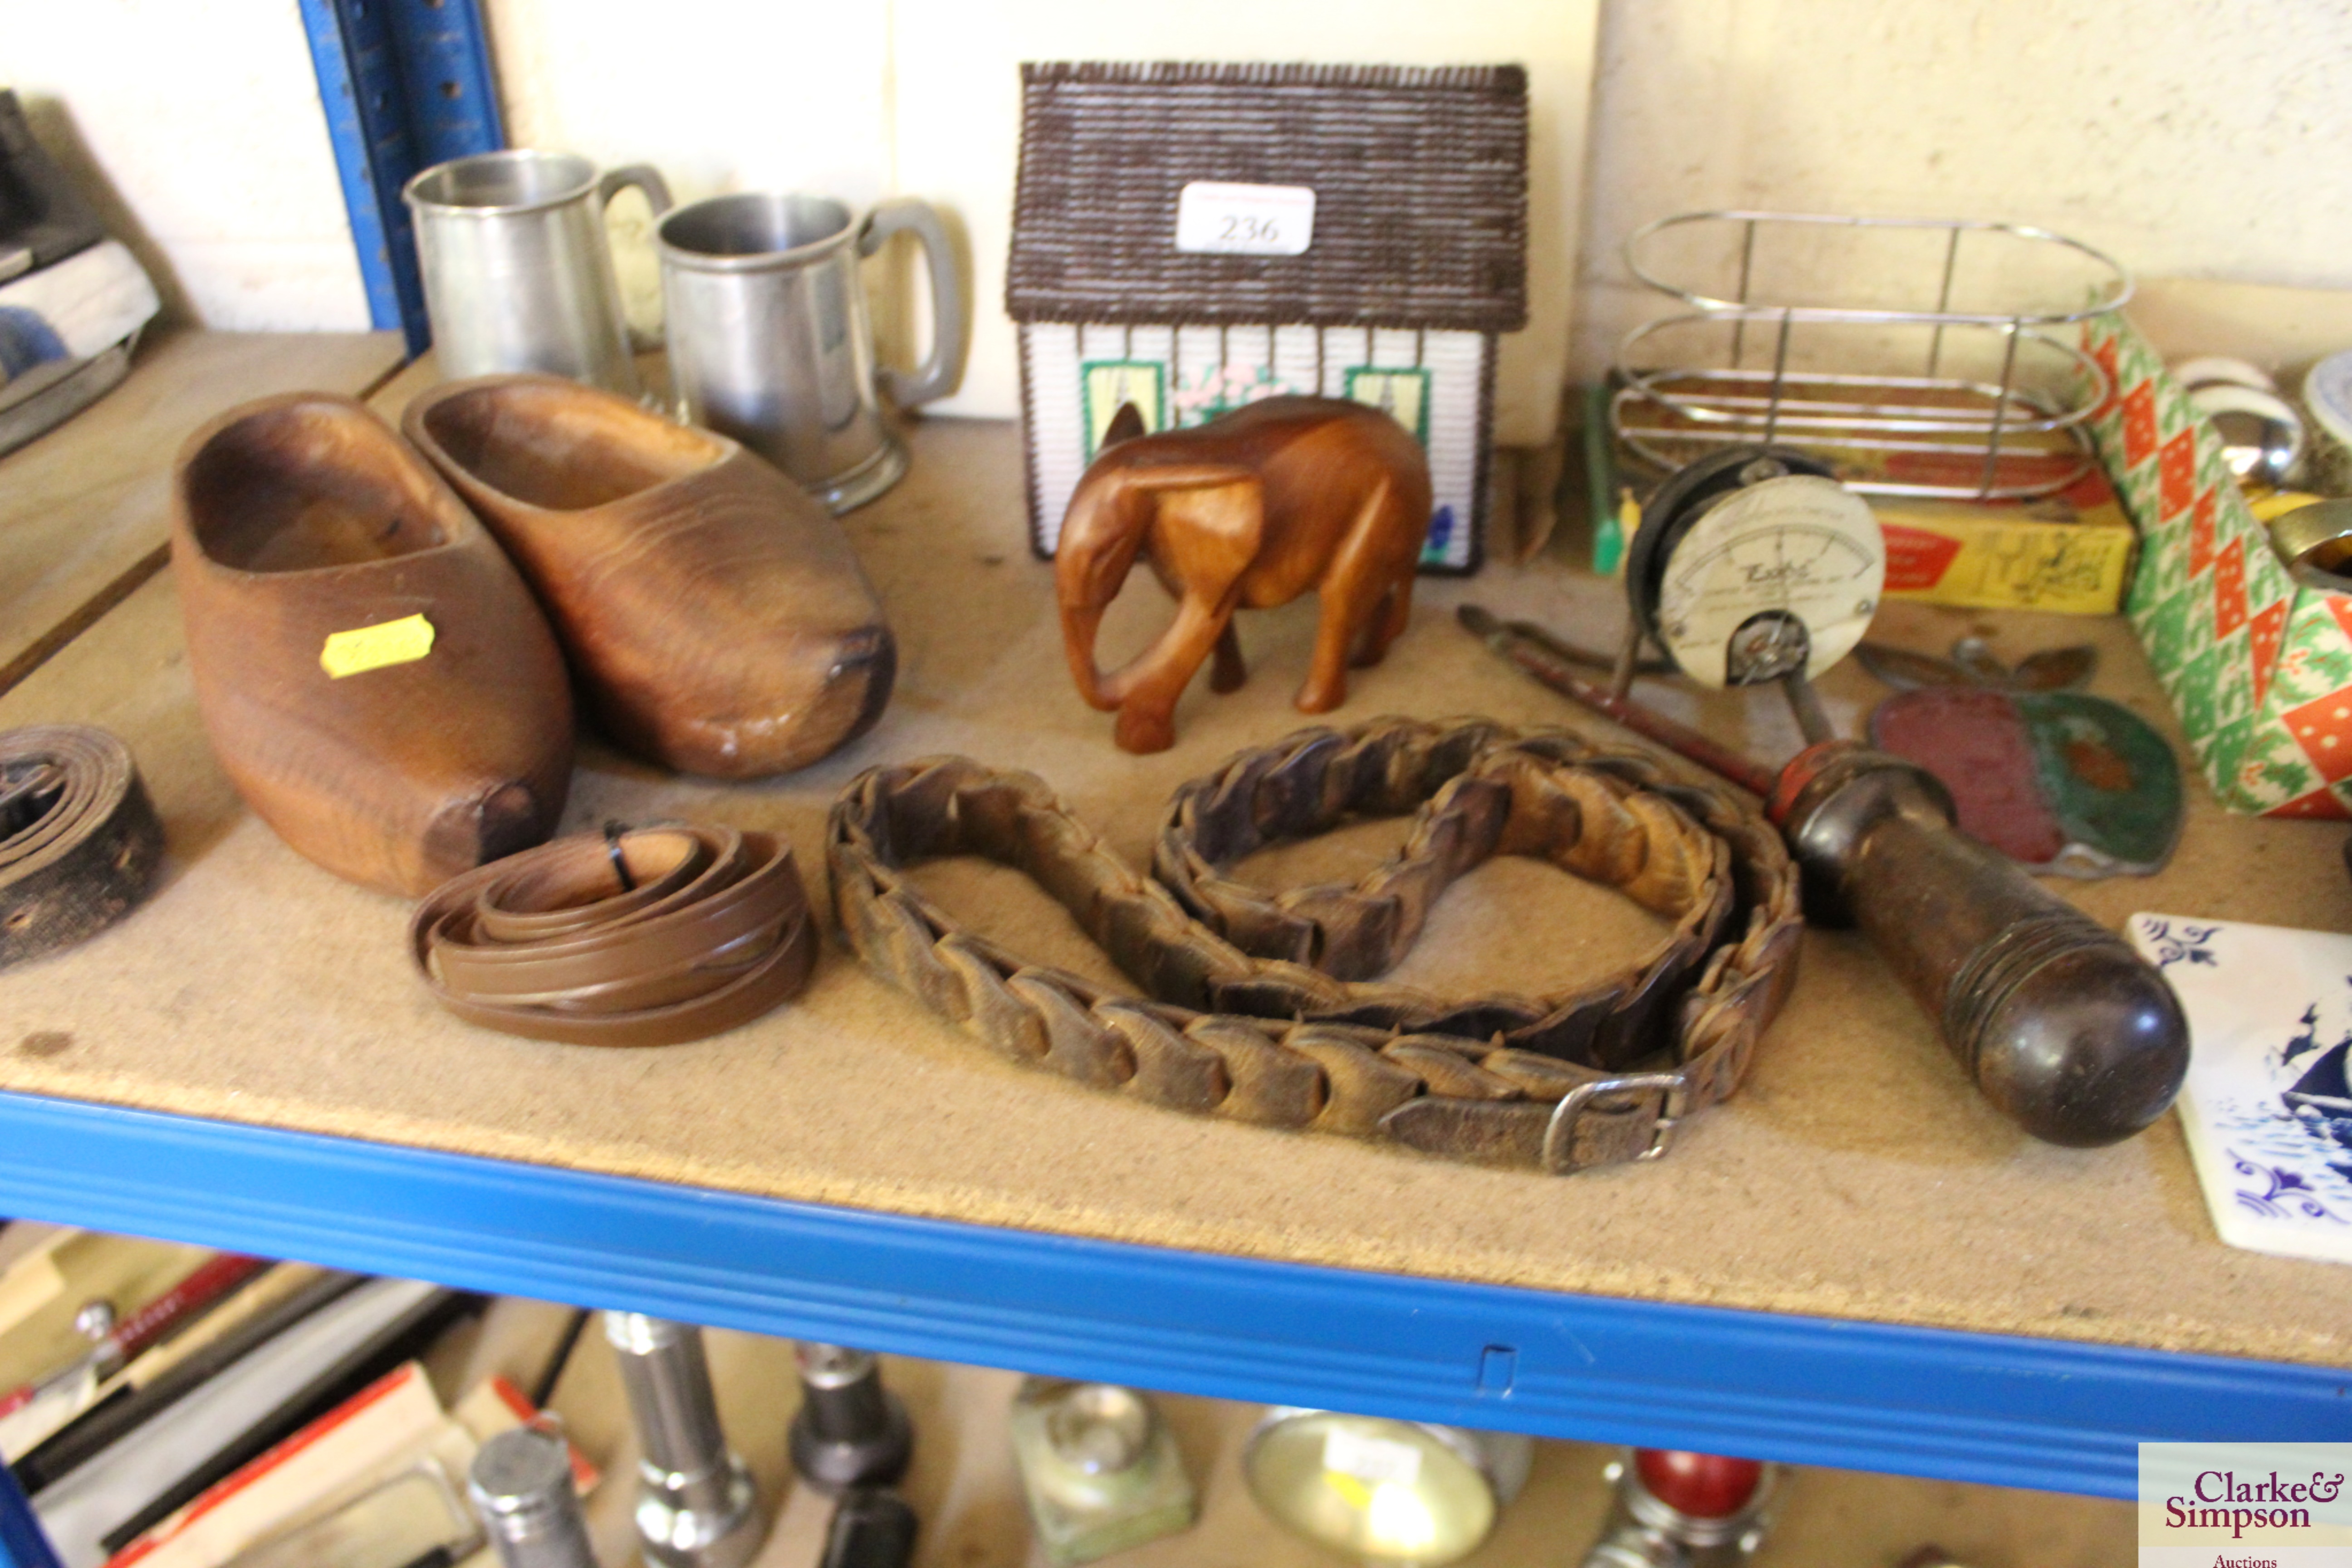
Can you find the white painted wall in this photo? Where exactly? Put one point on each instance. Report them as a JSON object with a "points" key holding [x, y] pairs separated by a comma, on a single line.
{"points": [[2196, 138], [2190, 138], [719, 94], [197, 128], [922, 97]]}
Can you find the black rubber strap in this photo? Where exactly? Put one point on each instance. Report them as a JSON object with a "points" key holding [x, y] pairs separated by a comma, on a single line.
{"points": [[79, 841]]}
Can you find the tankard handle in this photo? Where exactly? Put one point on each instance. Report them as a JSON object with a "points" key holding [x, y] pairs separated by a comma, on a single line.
{"points": [[941, 368], [646, 178]]}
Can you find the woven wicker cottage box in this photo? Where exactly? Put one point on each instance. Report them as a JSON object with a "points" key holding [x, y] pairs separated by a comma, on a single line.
{"points": [[1417, 259]]}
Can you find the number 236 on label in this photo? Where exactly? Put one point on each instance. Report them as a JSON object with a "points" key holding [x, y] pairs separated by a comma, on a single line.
{"points": [[1245, 220]]}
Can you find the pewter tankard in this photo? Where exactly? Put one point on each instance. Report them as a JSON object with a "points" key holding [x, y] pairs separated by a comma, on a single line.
{"points": [[769, 339], [518, 271]]}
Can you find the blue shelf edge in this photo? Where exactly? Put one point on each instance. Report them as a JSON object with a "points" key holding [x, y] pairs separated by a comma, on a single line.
{"points": [[2058, 1416], [22, 1544], [404, 84]]}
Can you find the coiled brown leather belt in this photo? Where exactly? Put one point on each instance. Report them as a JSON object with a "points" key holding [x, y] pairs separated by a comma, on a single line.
{"points": [[79, 841], [644, 938], [1258, 1009]]}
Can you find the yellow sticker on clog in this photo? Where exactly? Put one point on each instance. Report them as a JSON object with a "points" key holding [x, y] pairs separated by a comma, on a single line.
{"points": [[363, 649]]}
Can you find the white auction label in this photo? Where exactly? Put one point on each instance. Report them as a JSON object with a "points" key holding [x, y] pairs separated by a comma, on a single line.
{"points": [[1245, 220], [1370, 1458], [2245, 1505]]}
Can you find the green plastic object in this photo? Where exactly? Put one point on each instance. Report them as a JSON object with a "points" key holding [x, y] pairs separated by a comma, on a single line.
{"points": [[1601, 481]]}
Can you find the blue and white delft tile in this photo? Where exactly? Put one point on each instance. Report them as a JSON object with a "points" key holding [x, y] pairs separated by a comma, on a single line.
{"points": [[2265, 1003]]}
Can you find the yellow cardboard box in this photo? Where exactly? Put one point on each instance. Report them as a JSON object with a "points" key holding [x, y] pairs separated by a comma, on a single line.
{"points": [[2071, 551]]}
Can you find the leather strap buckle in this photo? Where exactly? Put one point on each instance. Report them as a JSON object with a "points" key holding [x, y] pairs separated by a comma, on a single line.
{"points": [[1559, 1134]]}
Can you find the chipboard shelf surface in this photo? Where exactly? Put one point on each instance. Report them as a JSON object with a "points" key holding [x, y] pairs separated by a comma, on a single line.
{"points": [[1854, 1262]]}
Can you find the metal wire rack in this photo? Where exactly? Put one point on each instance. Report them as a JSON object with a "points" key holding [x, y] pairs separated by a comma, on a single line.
{"points": [[1938, 381]]}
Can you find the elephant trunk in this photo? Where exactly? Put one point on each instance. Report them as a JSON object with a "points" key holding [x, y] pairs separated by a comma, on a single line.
{"points": [[1080, 623], [1101, 536]]}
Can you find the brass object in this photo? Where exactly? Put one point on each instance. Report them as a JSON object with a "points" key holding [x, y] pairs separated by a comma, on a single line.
{"points": [[2314, 542], [1383, 1491]]}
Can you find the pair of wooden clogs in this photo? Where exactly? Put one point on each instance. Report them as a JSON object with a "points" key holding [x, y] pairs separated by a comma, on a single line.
{"points": [[386, 692]]}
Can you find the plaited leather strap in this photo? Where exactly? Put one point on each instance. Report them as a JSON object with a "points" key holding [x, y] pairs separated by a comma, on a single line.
{"points": [[1258, 1010], [79, 842], [646, 938]]}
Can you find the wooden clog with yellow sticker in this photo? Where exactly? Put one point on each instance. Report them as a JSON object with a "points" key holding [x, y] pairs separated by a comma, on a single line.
{"points": [[374, 675]]}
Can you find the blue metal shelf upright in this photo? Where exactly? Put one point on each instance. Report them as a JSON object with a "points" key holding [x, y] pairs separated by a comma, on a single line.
{"points": [[405, 84]]}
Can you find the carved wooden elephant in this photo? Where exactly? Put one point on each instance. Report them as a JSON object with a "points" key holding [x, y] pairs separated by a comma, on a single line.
{"points": [[1247, 511]]}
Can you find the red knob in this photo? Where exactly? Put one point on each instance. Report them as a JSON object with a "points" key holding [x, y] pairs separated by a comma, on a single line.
{"points": [[1704, 1486]]}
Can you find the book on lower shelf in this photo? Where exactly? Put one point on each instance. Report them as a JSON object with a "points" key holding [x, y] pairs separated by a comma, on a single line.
{"points": [[389, 1430]]}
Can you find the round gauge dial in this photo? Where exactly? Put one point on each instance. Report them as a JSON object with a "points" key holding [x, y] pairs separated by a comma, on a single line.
{"points": [[1780, 574]]}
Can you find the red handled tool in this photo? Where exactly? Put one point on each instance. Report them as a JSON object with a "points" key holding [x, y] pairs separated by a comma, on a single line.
{"points": [[211, 1281]]}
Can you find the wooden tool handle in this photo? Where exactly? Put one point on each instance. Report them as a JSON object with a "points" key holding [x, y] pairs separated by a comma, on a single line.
{"points": [[2063, 1027]]}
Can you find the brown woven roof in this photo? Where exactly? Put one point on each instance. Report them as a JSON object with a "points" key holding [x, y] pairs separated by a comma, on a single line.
{"points": [[1420, 178]]}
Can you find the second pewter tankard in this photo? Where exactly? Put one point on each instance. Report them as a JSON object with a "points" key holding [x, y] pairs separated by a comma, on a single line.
{"points": [[769, 339], [518, 271]]}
